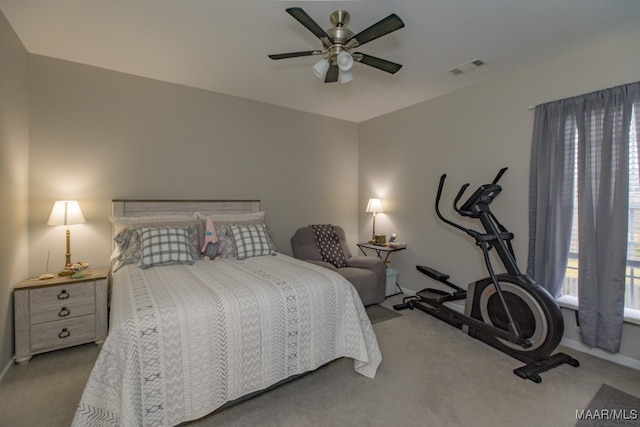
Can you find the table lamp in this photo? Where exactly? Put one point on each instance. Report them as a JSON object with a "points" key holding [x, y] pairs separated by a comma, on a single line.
{"points": [[374, 206], [67, 213]]}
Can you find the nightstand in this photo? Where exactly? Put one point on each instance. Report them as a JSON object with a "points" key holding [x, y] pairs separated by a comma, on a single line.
{"points": [[60, 312], [379, 250], [392, 274]]}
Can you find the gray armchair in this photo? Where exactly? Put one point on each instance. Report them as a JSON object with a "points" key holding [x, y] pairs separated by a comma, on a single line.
{"points": [[367, 274]]}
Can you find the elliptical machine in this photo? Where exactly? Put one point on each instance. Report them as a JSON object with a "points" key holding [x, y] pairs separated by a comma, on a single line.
{"points": [[508, 311]]}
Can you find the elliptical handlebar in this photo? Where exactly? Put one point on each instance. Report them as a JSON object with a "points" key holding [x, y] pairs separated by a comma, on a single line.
{"points": [[500, 173], [458, 197], [484, 194], [470, 232]]}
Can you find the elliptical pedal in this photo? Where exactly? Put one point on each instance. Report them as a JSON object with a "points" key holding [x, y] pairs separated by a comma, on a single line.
{"points": [[439, 296], [433, 273]]}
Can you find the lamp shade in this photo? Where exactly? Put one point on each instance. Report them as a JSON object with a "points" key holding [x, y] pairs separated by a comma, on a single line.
{"points": [[374, 205], [345, 61], [345, 76], [66, 212], [320, 68]]}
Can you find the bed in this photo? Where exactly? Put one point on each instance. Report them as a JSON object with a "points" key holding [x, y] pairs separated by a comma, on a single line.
{"points": [[187, 338]]}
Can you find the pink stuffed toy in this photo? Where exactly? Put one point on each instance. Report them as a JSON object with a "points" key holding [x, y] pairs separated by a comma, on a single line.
{"points": [[211, 248]]}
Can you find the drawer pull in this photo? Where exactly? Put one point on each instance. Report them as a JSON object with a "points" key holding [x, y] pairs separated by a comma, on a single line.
{"points": [[63, 294], [64, 333], [64, 312]]}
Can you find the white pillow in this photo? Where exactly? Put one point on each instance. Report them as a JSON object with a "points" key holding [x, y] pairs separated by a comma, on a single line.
{"points": [[252, 217], [122, 222]]}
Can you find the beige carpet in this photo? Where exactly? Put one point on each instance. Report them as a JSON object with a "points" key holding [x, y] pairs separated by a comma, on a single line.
{"points": [[378, 313], [431, 375]]}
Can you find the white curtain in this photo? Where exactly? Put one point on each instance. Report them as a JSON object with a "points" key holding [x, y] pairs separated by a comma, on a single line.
{"points": [[600, 123]]}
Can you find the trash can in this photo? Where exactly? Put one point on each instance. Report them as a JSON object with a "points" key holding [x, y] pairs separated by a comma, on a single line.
{"points": [[392, 278]]}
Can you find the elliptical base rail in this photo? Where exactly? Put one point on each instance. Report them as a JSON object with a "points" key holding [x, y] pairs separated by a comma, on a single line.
{"points": [[532, 370]]}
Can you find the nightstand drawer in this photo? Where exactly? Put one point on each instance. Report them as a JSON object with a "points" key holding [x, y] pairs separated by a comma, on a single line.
{"points": [[63, 311], [63, 333], [61, 302], [61, 294]]}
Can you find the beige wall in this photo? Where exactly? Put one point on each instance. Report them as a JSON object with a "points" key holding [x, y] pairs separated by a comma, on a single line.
{"points": [[97, 135], [470, 134], [14, 175]]}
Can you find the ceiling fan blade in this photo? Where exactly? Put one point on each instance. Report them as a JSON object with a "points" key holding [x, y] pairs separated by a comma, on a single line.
{"points": [[311, 25], [381, 64], [387, 25], [295, 54], [332, 74]]}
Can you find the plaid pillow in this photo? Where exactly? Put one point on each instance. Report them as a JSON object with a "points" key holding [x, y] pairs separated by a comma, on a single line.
{"points": [[130, 246], [161, 246], [251, 240]]}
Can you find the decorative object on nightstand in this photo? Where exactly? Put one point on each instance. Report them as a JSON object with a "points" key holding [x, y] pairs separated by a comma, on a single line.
{"points": [[67, 213], [374, 206], [59, 312]]}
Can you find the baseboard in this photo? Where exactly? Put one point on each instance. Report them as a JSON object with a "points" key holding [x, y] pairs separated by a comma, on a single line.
{"points": [[601, 354], [6, 369]]}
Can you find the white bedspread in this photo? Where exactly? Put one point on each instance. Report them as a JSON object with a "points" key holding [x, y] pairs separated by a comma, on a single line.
{"points": [[184, 340]]}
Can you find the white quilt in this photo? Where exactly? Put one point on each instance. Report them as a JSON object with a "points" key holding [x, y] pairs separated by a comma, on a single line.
{"points": [[184, 340]]}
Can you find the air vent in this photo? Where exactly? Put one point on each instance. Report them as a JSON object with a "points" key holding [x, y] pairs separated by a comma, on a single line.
{"points": [[466, 67]]}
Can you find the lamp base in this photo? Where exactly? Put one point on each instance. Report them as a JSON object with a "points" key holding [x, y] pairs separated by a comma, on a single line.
{"points": [[65, 273]]}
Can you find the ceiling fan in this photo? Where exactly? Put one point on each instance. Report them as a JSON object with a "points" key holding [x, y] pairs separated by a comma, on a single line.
{"points": [[338, 43]]}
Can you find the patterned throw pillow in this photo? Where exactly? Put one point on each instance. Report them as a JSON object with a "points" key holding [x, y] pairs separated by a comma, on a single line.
{"points": [[129, 244], [161, 246], [251, 240], [129, 248], [227, 240], [329, 245]]}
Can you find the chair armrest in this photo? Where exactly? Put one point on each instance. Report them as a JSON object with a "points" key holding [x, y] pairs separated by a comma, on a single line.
{"points": [[321, 264], [375, 265], [372, 263]]}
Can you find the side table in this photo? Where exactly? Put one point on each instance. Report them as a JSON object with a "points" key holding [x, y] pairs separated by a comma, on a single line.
{"points": [[59, 312], [382, 252]]}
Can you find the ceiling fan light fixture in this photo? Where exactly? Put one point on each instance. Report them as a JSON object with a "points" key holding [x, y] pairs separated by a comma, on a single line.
{"points": [[337, 43], [320, 68], [345, 76], [345, 61]]}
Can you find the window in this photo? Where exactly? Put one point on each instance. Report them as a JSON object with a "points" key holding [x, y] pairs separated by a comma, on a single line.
{"points": [[604, 122], [632, 282]]}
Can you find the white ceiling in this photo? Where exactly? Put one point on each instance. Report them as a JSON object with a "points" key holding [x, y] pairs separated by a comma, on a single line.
{"points": [[222, 45]]}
